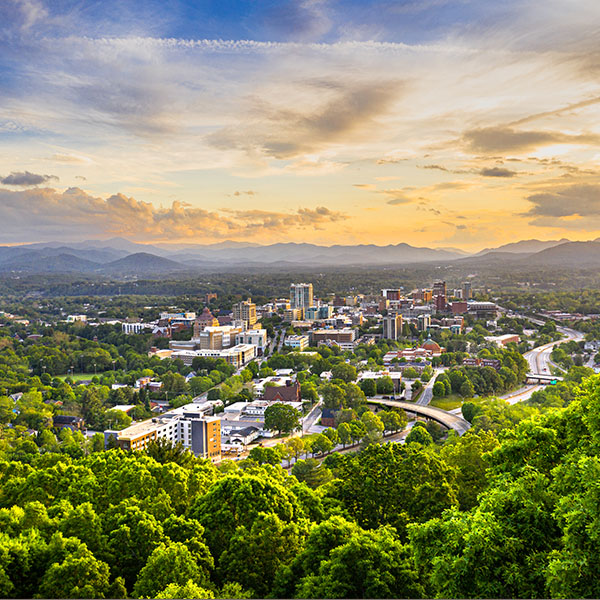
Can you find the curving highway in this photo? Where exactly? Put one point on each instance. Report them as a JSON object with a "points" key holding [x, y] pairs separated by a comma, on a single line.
{"points": [[443, 417], [540, 362]]}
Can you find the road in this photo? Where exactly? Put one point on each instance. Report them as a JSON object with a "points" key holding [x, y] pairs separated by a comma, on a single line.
{"points": [[449, 420], [427, 394], [540, 362]]}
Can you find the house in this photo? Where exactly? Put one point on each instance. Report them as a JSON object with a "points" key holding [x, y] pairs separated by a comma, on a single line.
{"points": [[328, 417], [244, 436], [286, 393], [68, 422]]}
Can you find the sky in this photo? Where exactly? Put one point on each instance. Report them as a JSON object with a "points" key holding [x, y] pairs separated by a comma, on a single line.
{"points": [[438, 123]]}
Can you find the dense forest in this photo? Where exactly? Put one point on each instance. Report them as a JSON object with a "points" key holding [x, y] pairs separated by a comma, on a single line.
{"points": [[270, 282], [507, 514]]}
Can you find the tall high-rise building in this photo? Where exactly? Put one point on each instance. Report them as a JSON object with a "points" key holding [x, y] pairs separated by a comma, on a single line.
{"points": [[439, 288], [440, 303], [392, 327], [301, 295], [245, 311], [467, 291]]}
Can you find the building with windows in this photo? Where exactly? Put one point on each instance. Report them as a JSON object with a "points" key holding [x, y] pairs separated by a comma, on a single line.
{"points": [[293, 314], [332, 335], [130, 328], [301, 295], [392, 327], [245, 311], [483, 310], [195, 431], [297, 342], [467, 291], [206, 319], [439, 288], [254, 337], [393, 294], [237, 355], [318, 313]]}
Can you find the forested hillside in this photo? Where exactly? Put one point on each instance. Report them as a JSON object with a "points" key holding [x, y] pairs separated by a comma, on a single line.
{"points": [[515, 515]]}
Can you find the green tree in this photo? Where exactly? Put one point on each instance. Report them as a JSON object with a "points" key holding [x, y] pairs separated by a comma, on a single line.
{"points": [[333, 396], [419, 435], [168, 564], [344, 371], [368, 565], [344, 433], [394, 484], [385, 385], [467, 390], [188, 590], [79, 575], [368, 387], [312, 472], [322, 444], [282, 417], [439, 389], [254, 556], [237, 500]]}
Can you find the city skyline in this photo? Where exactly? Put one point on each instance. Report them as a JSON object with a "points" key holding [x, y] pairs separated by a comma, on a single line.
{"points": [[437, 123]]}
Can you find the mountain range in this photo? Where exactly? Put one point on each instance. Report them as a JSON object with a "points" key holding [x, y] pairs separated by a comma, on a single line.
{"points": [[121, 257]]}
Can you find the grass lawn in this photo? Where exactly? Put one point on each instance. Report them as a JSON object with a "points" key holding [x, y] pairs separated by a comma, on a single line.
{"points": [[78, 376], [447, 402]]}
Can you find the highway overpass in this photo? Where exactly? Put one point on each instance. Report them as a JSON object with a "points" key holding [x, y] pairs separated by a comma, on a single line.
{"points": [[442, 417], [543, 379]]}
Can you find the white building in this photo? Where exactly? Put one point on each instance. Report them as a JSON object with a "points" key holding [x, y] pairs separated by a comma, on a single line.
{"points": [[254, 337], [237, 356], [129, 328], [297, 342]]}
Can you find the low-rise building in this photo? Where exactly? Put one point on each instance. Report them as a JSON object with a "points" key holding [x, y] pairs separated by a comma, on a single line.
{"points": [[503, 340], [297, 342], [238, 355], [135, 328], [333, 335], [254, 337], [196, 432], [283, 393]]}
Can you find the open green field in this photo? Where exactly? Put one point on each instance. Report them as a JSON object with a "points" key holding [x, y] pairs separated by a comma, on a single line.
{"points": [[447, 402]]}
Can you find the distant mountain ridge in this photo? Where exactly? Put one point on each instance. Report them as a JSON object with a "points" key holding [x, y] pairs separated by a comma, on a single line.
{"points": [[118, 256], [524, 246]]}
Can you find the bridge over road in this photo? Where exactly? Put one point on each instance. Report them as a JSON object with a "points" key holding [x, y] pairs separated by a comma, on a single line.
{"points": [[444, 418]]}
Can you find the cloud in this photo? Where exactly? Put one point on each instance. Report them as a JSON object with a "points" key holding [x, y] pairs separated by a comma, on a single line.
{"points": [[569, 201], [506, 139], [349, 114], [43, 213], [25, 178], [436, 167], [364, 186], [497, 172], [70, 158], [396, 197], [27, 14]]}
